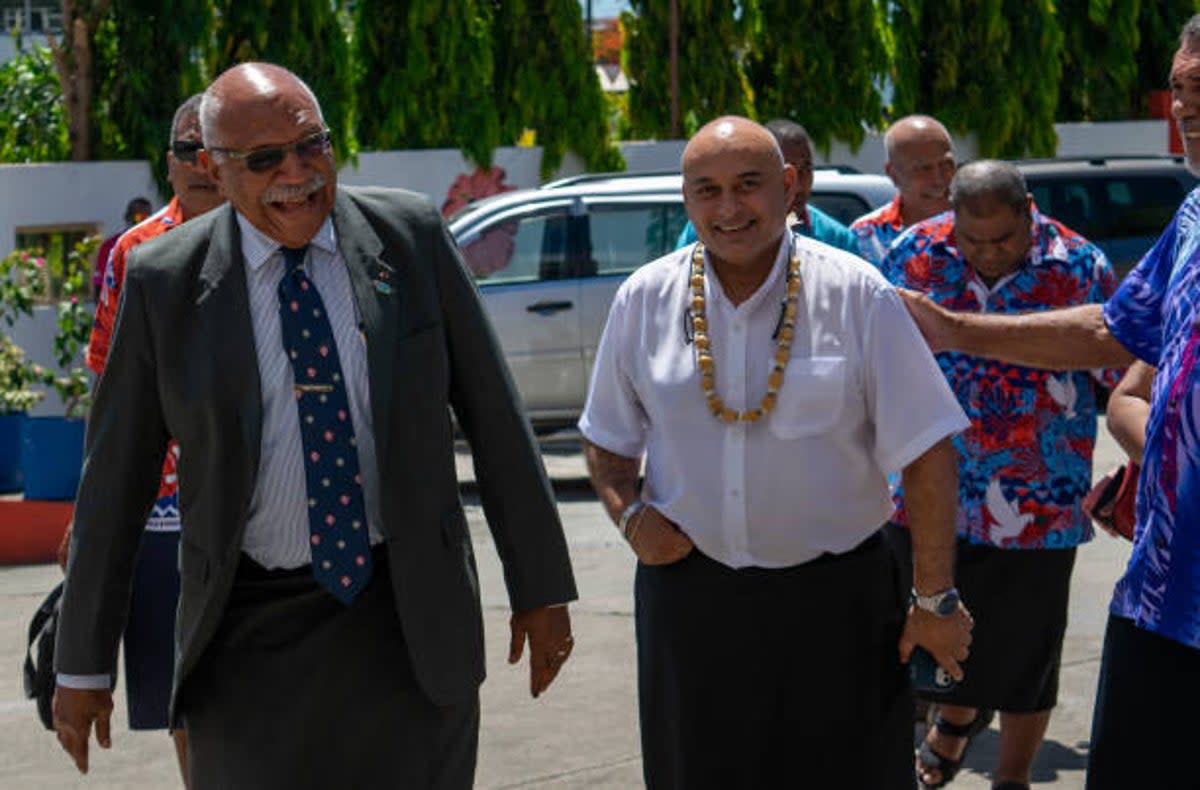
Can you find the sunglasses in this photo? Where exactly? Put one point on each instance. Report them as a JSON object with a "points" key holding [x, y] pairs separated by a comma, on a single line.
{"points": [[260, 160], [187, 150]]}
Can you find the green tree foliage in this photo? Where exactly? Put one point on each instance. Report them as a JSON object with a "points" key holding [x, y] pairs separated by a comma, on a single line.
{"points": [[712, 80], [474, 74], [544, 80], [997, 76], [32, 126], [1159, 22], [1099, 76], [310, 37], [819, 64], [425, 79], [135, 106]]}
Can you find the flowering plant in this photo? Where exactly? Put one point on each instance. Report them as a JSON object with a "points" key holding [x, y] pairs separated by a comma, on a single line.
{"points": [[23, 279], [16, 375], [73, 384]]}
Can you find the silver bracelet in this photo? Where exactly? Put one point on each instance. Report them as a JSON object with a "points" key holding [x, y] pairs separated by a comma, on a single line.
{"points": [[626, 515]]}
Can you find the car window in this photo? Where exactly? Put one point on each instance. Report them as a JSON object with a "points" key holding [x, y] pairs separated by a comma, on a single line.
{"points": [[519, 249], [1070, 204], [1111, 208], [625, 236], [842, 206], [1142, 207]]}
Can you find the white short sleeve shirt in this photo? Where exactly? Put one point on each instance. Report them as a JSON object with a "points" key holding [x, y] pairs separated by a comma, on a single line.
{"points": [[862, 397]]}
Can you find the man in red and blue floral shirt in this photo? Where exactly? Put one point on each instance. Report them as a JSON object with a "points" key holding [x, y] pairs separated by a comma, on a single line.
{"points": [[1024, 464]]}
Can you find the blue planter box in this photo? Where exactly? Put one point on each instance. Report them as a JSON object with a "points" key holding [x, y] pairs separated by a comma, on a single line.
{"points": [[51, 457], [10, 452]]}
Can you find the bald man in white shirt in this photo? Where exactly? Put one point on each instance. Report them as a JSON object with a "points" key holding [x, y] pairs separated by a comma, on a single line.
{"points": [[758, 375]]}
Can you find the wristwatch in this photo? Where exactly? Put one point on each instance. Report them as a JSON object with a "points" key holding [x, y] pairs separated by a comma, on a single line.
{"points": [[941, 603], [628, 513]]}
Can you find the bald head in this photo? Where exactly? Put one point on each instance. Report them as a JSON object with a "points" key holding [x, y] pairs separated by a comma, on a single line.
{"points": [[250, 84], [920, 162], [729, 134], [914, 130]]}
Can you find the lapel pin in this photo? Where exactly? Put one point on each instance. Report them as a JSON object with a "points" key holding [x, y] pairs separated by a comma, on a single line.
{"points": [[382, 287]]}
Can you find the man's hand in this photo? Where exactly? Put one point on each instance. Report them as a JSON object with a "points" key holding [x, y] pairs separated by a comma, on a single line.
{"points": [[655, 539], [64, 546], [548, 629], [946, 638], [74, 712], [931, 318]]}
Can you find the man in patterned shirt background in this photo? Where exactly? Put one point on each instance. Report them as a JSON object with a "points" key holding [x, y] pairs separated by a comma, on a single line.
{"points": [[1024, 464], [149, 637], [920, 162]]}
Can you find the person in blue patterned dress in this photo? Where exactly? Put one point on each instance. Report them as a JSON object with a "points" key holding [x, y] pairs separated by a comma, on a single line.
{"points": [[1150, 666], [1024, 464]]}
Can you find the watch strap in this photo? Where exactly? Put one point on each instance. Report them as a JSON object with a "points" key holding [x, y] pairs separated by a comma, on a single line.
{"points": [[932, 603]]}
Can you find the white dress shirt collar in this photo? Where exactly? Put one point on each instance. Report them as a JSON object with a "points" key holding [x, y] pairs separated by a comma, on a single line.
{"points": [[750, 304], [258, 247]]}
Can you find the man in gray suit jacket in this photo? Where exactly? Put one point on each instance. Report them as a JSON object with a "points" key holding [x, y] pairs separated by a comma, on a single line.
{"points": [[304, 345]]}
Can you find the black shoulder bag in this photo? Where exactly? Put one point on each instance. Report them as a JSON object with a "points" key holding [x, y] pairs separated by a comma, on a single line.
{"points": [[39, 668]]}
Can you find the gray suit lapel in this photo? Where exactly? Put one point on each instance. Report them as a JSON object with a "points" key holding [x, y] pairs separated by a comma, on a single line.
{"points": [[223, 294], [374, 282]]}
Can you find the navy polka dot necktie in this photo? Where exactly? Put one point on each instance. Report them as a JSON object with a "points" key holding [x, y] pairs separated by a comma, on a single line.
{"points": [[341, 547]]}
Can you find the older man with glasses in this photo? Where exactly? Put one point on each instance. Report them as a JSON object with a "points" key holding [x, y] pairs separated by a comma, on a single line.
{"points": [[305, 346]]}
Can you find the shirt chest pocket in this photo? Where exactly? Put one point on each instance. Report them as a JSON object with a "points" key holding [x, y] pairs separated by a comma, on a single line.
{"points": [[812, 398]]}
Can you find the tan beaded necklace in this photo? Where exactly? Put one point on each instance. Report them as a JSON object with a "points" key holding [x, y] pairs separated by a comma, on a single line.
{"points": [[704, 357]]}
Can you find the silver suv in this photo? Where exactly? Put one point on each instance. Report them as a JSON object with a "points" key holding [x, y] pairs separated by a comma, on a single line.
{"points": [[548, 262]]}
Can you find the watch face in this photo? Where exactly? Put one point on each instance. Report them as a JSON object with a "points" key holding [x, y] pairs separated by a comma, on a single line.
{"points": [[948, 604]]}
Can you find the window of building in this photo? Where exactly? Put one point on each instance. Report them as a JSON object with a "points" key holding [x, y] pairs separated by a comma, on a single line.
{"points": [[55, 243]]}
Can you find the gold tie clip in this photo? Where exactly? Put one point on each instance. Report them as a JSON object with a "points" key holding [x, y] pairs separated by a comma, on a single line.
{"points": [[302, 388]]}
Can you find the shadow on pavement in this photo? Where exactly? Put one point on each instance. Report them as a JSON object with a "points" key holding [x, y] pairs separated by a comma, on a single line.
{"points": [[1053, 758]]}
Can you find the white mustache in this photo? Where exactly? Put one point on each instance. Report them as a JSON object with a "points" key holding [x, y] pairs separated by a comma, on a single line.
{"points": [[285, 193]]}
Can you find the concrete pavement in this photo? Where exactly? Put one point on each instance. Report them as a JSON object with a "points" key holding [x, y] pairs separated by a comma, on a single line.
{"points": [[583, 732]]}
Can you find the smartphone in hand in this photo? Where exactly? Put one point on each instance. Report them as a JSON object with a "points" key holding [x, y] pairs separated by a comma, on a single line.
{"points": [[927, 675]]}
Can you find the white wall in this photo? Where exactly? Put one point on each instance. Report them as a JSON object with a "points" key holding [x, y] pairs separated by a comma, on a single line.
{"points": [[77, 193], [63, 193], [8, 44], [1128, 138], [96, 192]]}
